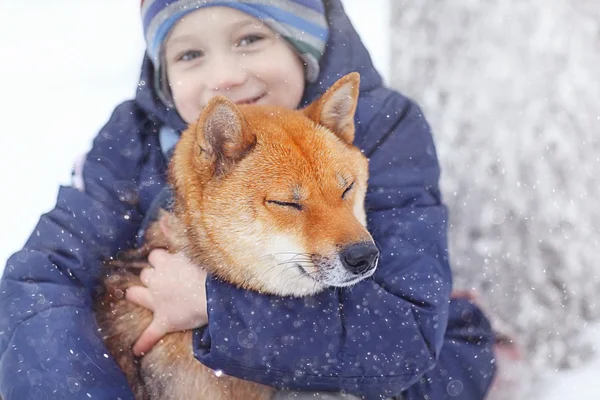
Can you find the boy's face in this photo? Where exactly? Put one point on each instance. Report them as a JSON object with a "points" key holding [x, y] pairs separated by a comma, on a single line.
{"points": [[222, 51]]}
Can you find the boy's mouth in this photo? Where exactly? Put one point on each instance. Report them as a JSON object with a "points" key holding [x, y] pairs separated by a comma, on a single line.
{"points": [[250, 100]]}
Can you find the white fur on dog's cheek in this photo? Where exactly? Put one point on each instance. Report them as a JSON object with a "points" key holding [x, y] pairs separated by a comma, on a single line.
{"points": [[358, 208], [281, 273], [284, 248]]}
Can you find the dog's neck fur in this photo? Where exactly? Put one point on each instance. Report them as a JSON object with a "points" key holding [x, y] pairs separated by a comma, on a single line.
{"points": [[175, 232], [210, 150]]}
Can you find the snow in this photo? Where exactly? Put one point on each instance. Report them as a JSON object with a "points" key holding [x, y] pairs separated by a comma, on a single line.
{"points": [[63, 73], [580, 383], [510, 88], [68, 63]]}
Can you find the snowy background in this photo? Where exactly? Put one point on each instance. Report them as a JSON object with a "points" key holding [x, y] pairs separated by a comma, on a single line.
{"points": [[510, 87], [512, 90]]}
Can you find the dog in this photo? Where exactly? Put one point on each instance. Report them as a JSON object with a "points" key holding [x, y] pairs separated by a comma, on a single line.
{"points": [[265, 198]]}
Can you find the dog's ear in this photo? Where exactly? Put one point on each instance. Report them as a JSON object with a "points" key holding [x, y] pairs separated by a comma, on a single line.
{"points": [[222, 133], [335, 109]]}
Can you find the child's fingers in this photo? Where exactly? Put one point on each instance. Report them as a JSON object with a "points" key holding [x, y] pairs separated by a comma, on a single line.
{"points": [[146, 275], [470, 295], [158, 257], [141, 296], [153, 333]]}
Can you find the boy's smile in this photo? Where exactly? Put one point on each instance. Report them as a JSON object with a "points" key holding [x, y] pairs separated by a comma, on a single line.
{"points": [[223, 51]]}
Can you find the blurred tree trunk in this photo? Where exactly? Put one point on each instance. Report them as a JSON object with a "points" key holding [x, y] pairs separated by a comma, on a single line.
{"points": [[512, 90]]}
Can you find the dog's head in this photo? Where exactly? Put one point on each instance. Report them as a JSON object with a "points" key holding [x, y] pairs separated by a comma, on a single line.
{"points": [[272, 199]]}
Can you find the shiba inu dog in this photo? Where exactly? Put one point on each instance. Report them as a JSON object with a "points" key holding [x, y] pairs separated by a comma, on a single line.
{"points": [[265, 198]]}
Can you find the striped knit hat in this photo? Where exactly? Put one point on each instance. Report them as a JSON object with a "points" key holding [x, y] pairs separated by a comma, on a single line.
{"points": [[301, 22]]}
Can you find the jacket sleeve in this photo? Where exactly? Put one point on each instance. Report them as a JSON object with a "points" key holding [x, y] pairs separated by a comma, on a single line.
{"points": [[49, 344], [381, 336], [466, 366]]}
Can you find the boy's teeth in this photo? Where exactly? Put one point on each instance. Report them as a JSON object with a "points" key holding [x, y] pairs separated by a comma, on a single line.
{"points": [[249, 101]]}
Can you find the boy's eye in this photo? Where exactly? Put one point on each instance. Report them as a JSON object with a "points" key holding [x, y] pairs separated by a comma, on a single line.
{"points": [[248, 40], [190, 55]]}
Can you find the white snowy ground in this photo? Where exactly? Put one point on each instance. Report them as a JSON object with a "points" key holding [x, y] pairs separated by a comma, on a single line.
{"points": [[66, 64], [581, 383]]}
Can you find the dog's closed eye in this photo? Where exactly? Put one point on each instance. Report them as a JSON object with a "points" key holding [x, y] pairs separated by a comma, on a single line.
{"points": [[296, 206], [348, 189]]}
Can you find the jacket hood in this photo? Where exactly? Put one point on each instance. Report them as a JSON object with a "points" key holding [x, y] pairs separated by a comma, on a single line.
{"points": [[344, 53]]}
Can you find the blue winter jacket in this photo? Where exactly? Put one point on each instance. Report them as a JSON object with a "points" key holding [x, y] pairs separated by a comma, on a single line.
{"points": [[397, 333]]}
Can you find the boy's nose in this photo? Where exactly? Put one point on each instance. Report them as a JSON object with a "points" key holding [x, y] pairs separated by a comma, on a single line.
{"points": [[227, 73]]}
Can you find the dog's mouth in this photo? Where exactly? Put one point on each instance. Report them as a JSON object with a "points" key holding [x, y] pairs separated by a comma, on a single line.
{"points": [[355, 279], [348, 281], [304, 272], [250, 100]]}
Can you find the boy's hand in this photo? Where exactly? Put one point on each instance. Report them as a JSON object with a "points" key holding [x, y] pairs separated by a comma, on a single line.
{"points": [[175, 292]]}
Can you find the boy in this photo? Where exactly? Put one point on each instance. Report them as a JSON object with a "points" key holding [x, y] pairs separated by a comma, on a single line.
{"points": [[396, 335]]}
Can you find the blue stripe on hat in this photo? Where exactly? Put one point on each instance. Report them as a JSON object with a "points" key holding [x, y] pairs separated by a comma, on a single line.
{"points": [[288, 18], [164, 29], [158, 5], [256, 10], [313, 5], [154, 9]]}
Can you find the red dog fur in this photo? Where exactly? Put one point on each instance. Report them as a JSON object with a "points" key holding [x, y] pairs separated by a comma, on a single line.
{"points": [[267, 199]]}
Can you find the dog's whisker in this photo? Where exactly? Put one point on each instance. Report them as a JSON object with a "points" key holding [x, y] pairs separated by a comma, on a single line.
{"points": [[295, 254], [294, 262], [292, 252], [287, 262], [283, 269], [286, 265]]}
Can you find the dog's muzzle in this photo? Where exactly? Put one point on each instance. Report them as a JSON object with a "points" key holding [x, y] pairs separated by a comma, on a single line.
{"points": [[360, 258]]}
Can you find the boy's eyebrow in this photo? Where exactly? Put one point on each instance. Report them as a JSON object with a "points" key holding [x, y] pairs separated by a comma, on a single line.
{"points": [[248, 21], [237, 25], [180, 38]]}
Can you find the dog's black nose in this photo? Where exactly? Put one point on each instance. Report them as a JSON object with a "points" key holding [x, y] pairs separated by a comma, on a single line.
{"points": [[360, 257]]}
